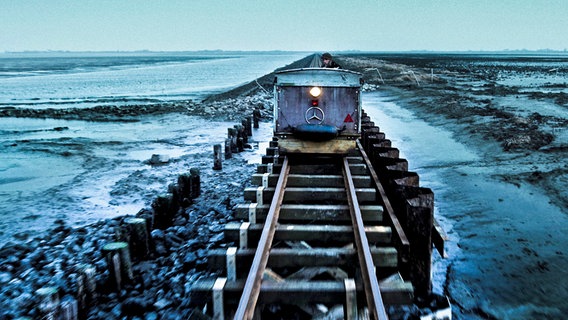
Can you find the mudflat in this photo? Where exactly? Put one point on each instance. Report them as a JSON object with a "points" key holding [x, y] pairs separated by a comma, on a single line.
{"points": [[507, 212]]}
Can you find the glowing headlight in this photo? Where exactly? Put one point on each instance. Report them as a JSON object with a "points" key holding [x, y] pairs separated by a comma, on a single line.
{"points": [[315, 91]]}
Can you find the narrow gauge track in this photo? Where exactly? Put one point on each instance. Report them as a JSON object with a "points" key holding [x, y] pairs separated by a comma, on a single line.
{"points": [[247, 304], [323, 230]]}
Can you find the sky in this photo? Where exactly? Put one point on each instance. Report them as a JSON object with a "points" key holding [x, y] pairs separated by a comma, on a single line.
{"points": [[289, 25]]}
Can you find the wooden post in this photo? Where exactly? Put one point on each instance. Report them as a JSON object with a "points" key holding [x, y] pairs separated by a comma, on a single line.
{"points": [[365, 125], [366, 132], [195, 183], [228, 153], [177, 200], [350, 309], [273, 143], [217, 161], [68, 309], [241, 144], [86, 287], [256, 117], [233, 136], [218, 299], [249, 126], [385, 152], [245, 131], [402, 178], [420, 221], [416, 207], [377, 139], [184, 186], [242, 130], [164, 210], [240, 139], [119, 264], [48, 303], [137, 236], [398, 164]]}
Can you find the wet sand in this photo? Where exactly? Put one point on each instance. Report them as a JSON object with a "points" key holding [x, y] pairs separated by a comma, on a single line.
{"points": [[505, 210]]}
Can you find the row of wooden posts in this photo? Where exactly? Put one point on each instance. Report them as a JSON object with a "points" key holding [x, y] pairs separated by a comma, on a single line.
{"points": [[412, 205], [134, 243], [134, 234], [237, 140]]}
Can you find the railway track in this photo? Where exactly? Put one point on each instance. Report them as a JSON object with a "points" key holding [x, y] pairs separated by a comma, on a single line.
{"points": [[320, 237]]}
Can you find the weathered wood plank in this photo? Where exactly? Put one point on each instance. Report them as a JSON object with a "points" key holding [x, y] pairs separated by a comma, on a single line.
{"points": [[439, 238], [305, 180], [294, 194], [272, 159], [311, 233], [355, 159], [356, 169], [402, 243], [293, 258], [335, 146], [294, 292], [319, 213], [312, 272]]}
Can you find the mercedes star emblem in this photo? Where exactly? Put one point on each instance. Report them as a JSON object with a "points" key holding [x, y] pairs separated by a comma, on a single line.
{"points": [[314, 115]]}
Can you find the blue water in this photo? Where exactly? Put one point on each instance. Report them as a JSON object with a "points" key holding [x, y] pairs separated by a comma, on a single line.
{"points": [[62, 80], [486, 219], [92, 170]]}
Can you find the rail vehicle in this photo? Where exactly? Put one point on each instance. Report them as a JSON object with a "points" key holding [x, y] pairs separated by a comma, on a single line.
{"points": [[317, 110]]}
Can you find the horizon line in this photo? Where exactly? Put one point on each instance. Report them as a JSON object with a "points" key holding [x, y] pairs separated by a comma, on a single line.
{"points": [[290, 51]]}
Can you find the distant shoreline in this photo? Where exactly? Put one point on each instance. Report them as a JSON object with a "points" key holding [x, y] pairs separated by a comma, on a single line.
{"points": [[356, 52]]}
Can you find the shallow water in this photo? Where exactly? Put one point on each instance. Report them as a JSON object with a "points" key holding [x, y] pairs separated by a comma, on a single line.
{"points": [[401, 127], [72, 80], [72, 173], [429, 151], [507, 241], [82, 171]]}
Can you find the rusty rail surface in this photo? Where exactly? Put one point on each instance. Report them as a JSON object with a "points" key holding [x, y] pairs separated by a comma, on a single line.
{"points": [[251, 290], [321, 233], [372, 291], [401, 236], [316, 234]]}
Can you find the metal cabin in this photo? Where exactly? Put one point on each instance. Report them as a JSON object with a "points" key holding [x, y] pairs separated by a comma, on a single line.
{"points": [[317, 110]]}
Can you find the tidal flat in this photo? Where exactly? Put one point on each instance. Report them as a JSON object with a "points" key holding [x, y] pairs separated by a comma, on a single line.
{"points": [[485, 133]]}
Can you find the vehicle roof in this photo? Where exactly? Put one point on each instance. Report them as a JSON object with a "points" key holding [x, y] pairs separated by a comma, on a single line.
{"points": [[326, 77]]}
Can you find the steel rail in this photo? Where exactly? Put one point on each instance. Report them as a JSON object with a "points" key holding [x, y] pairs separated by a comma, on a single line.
{"points": [[372, 291], [251, 290], [385, 201]]}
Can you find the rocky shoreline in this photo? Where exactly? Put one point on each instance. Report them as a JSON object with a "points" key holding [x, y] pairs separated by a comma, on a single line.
{"points": [[229, 109], [508, 212], [58, 258], [160, 286]]}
